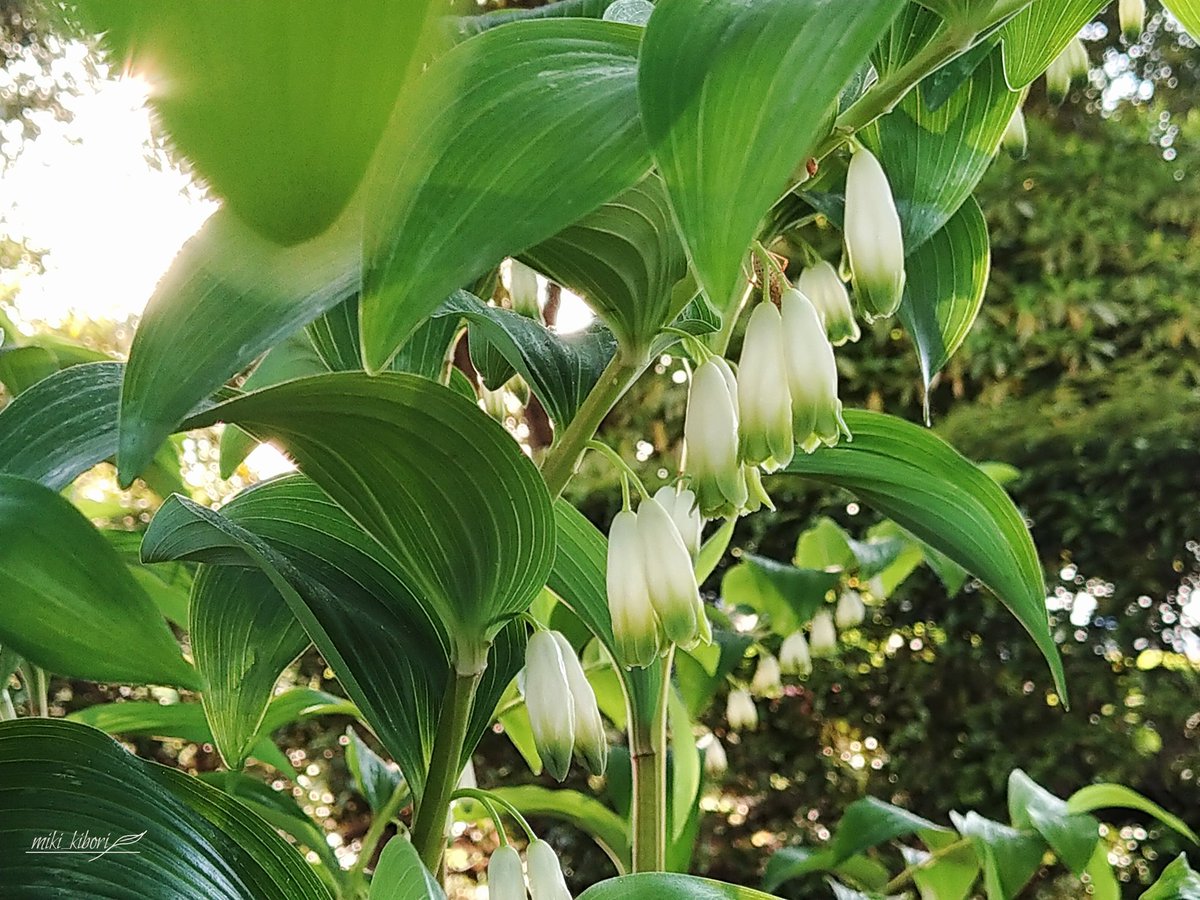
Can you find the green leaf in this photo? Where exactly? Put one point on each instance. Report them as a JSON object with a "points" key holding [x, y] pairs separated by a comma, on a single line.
{"points": [[1177, 882], [71, 606], [180, 837], [1010, 857], [914, 477], [947, 277], [466, 26], [935, 158], [624, 259], [1072, 836], [243, 636], [379, 446], [439, 216], [400, 874], [561, 370], [824, 546], [256, 96], [949, 877], [1101, 877], [795, 862], [184, 721], [336, 340], [869, 822], [663, 886], [734, 98], [1038, 33], [701, 672], [374, 778], [1188, 14], [229, 296], [787, 595], [23, 367], [1117, 796], [588, 814]]}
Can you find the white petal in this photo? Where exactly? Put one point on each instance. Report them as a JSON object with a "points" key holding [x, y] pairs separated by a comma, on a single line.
{"points": [[548, 699]]}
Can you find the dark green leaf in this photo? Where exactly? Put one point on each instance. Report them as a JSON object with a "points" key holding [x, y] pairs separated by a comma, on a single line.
{"points": [[335, 337], [401, 875], [1010, 857], [1038, 33], [787, 595], [1117, 796], [374, 778], [23, 367], [586, 813], [662, 886], [1072, 836], [465, 26], [870, 822]]}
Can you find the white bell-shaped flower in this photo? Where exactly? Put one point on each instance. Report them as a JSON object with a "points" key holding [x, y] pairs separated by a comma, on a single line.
{"points": [[756, 495], [716, 762], [548, 699], [823, 637], [523, 289], [765, 430], [794, 658], [1016, 137], [635, 626], [711, 432], [850, 610], [1078, 63], [1132, 14], [546, 881], [1069, 65], [812, 375], [669, 575], [506, 878], [740, 711], [591, 743], [680, 504], [874, 238], [822, 285], [767, 680]]}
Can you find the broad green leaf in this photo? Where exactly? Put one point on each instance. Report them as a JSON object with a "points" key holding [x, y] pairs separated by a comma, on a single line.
{"points": [[180, 838], [734, 98], [795, 862], [1072, 836], [1177, 882], [336, 339], [1117, 796], [935, 158], [443, 210], [1188, 14], [278, 111], [824, 546], [229, 296], [23, 367], [712, 551], [683, 783], [184, 721], [663, 886], [787, 595], [701, 672], [588, 814], [465, 26], [560, 370], [952, 874], [624, 259], [376, 779], [1101, 877], [947, 277], [1038, 33], [380, 447], [928, 488], [400, 874], [1010, 856], [869, 822], [243, 635], [70, 604]]}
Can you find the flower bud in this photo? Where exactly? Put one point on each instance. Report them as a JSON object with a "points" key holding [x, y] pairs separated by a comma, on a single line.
{"points": [[1077, 59], [492, 402], [681, 507], [669, 575], [1072, 63], [635, 627], [1016, 138], [591, 743], [767, 681], [823, 640], [716, 763], [812, 375], [1133, 19], [765, 429], [523, 289], [794, 658], [822, 285], [850, 610], [548, 699], [506, 880], [711, 432], [546, 880], [740, 710], [874, 239]]}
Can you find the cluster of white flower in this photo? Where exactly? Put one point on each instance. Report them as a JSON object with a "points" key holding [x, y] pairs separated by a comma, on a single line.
{"points": [[563, 713], [507, 878]]}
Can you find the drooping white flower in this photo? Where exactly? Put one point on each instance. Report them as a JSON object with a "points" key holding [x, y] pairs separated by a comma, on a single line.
{"points": [[680, 504], [1069, 65], [591, 743], [740, 711], [711, 432], [546, 881], [823, 639], [523, 289], [850, 610], [716, 762], [1132, 14], [812, 375], [821, 284], [1077, 59], [635, 626], [874, 239], [765, 429], [794, 658], [767, 680], [506, 879], [669, 575], [548, 699], [1016, 138], [756, 495]]}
